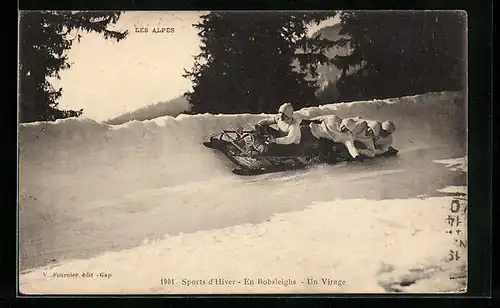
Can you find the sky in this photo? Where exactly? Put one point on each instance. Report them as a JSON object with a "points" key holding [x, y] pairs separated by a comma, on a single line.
{"points": [[109, 78]]}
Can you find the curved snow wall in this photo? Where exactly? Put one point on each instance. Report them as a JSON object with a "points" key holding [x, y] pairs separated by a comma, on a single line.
{"points": [[75, 160]]}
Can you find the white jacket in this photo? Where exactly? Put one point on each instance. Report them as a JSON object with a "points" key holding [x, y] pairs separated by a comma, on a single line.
{"points": [[292, 129], [330, 129], [382, 144], [367, 142]]}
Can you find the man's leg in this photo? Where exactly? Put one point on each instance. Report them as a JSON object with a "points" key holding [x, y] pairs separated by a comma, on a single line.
{"points": [[390, 152], [309, 144]]}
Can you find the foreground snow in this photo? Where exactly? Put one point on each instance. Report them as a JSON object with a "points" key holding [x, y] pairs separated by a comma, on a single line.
{"points": [[354, 245]]}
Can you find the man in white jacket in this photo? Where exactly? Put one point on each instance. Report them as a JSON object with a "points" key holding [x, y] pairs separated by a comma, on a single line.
{"points": [[286, 139], [383, 140], [362, 140], [380, 133]]}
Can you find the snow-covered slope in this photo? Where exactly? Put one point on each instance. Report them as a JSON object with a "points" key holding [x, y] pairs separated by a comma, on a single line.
{"points": [[87, 188]]}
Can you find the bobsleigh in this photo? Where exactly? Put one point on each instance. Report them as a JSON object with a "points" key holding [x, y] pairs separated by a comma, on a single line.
{"points": [[249, 151]]}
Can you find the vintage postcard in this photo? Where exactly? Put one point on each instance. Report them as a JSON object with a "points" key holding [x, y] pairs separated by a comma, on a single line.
{"points": [[213, 152]]}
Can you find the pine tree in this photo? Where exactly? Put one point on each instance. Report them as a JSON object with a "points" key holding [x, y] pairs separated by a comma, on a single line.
{"points": [[402, 53], [44, 38], [245, 64]]}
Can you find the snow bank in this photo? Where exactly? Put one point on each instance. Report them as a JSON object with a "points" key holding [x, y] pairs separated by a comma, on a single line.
{"points": [[171, 108], [165, 144], [357, 246]]}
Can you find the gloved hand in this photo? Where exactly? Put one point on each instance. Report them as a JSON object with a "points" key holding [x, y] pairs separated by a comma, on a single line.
{"points": [[359, 158], [270, 140], [392, 150]]}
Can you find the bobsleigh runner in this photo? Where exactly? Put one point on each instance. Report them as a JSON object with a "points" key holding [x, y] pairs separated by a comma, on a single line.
{"points": [[248, 149]]}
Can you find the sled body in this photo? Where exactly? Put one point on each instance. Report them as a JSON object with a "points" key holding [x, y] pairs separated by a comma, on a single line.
{"points": [[250, 153]]}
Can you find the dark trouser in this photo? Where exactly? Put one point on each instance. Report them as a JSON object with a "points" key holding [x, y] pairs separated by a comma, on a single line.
{"points": [[312, 146]]}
